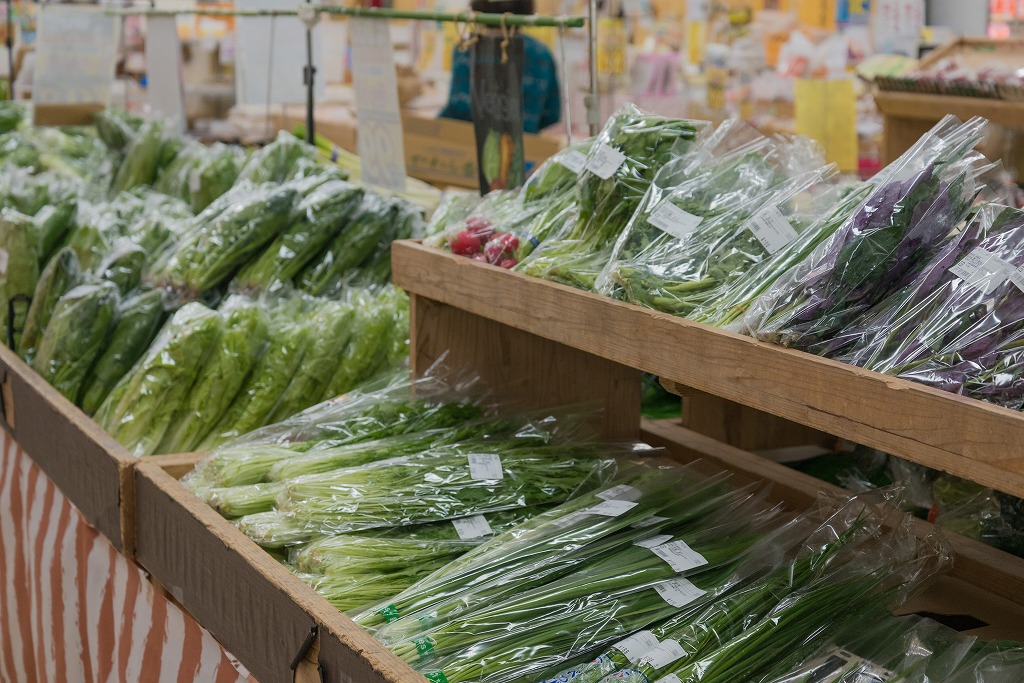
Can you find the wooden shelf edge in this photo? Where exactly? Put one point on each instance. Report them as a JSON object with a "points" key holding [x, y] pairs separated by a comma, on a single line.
{"points": [[928, 107], [965, 437], [981, 565]]}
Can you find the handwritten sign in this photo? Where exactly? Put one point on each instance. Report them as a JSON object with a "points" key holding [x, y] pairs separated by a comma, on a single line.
{"points": [[74, 64], [896, 25], [164, 69], [381, 146]]}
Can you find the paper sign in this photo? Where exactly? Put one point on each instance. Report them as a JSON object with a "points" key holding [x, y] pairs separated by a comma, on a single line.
{"points": [[574, 160], [620, 492], [679, 556], [472, 527], [772, 229], [484, 466], [671, 219], [1017, 278], [271, 56], [381, 147], [496, 76], [637, 645], [74, 63], [653, 541], [896, 26], [818, 14], [664, 654], [604, 161], [826, 111], [611, 508], [164, 69]]}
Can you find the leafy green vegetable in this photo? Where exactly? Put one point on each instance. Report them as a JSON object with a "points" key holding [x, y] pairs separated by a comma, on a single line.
{"points": [[61, 275], [19, 269]]}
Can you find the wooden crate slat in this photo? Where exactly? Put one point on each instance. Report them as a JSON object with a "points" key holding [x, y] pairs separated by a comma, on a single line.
{"points": [[962, 436]]}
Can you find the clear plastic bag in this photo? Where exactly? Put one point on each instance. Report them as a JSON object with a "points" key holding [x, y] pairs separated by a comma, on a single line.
{"points": [[19, 267], [918, 201]]}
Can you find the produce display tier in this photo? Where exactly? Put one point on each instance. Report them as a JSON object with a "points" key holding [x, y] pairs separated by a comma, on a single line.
{"points": [[965, 437], [261, 612]]}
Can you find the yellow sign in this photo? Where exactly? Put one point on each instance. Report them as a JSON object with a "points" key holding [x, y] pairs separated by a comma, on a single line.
{"points": [[818, 13], [697, 40], [611, 47], [826, 111], [718, 81]]}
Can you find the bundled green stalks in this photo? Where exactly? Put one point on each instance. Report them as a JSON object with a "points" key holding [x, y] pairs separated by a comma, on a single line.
{"points": [[553, 541], [282, 160], [435, 487], [199, 174], [59, 277], [19, 267]]}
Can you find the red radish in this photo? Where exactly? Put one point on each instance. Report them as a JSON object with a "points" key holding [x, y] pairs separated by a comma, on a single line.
{"points": [[479, 257], [481, 227], [493, 252], [508, 241], [466, 243], [508, 263]]}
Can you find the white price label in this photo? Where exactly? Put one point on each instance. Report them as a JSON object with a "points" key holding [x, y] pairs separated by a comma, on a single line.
{"points": [[772, 229], [4, 259], [678, 592], [1017, 278], [637, 645], [605, 161], [484, 466], [842, 666], [653, 541], [664, 654], [574, 160], [671, 678], [983, 270], [671, 219], [679, 556], [620, 492], [612, 508], [472, 527], [572, 518], [648, 521]]}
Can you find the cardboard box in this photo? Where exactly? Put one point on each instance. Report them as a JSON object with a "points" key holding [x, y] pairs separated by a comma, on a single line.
{"points": [[86, 463]]}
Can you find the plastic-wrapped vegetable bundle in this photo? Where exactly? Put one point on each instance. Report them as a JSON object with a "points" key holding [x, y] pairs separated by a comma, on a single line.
{"points": [[19, 268], [315, 222], [139, 317], [143, 158], [123, 265], [163, 221], [278, 161], [375, 270], [224, 237], [802, 622], [75, 336], [199, 174], [140, 408], [919, 200], [598, 604], [554, 541], [433, 487], [620, 167], [52, 224], [116, 128], [61, 275], [224, 372], [888, 649], [992, 662]]}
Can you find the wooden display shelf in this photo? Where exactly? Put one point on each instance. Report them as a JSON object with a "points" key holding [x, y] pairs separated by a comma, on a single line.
{"points": [[86, 463], [262, 613], [461, 298], [908, 116]]}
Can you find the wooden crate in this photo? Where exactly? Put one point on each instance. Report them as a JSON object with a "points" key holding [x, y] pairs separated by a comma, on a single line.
{"points": [[87, 464], [263, 614], [962, 436]]}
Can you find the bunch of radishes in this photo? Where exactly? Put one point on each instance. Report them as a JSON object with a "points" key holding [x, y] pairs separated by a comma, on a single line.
{"points": [[481, 242]]}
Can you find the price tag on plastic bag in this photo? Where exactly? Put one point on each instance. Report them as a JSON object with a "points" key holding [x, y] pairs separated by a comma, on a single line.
{"points": [[484, 466], [664, 654], [669, 678], [4, 260], [605, 161], [653, 541], [671, 219], [983, 270], [679, 556], [472, 527], [574, 160], [678, 592], [772, 229], [620, 492], [637, 645], [648, 521], [611, 508]]}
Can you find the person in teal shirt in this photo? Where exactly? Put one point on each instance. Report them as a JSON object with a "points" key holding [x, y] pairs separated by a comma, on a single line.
{"points": [[542, 103]]}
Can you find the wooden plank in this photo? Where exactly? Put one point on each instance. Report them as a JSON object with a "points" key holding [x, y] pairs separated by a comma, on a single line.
{"points": [[986, 567], [933, 107], [962, 436], [744, 427], [524, 366], [86, 464], [252, 604]]}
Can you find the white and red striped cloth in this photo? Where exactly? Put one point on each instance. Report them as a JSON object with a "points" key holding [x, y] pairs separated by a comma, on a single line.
{"points": [[73, 609]]}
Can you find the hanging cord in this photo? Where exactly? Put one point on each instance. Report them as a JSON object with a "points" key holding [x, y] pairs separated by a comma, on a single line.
{"points": [[504, 38], [270, 80], [467, 33], [565, 86]]}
